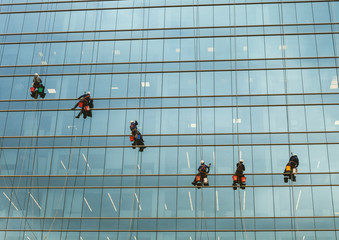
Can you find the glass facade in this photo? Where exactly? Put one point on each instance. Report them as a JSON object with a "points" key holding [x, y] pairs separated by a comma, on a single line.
{"points": [[218, 80]]}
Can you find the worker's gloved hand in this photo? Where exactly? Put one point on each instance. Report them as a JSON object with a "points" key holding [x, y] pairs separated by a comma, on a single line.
{"points": [[209, 164], [136, 122]]}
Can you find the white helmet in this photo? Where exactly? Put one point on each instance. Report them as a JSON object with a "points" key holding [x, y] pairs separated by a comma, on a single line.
{"points": [[132, 121], [88, 92], [36, 74], [241, 160], [202, 162]]}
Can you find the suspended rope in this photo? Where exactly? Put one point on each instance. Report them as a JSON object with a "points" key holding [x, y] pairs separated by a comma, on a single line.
{"points": [[42, 52], [66, 179], [2, 155], [37, 118], [198, 103], [94, 20], [13, 194], [236, 124], [283, 49], [334, 38], [137, 164]]}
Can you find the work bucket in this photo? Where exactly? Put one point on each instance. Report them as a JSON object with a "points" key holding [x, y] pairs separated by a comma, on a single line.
{"points": [[131, 138], [32, 89], [235, 178], [40, 89], [205, 180], [288, 168], [197, 178], [243, 179], [87, 108], [81, 104]]}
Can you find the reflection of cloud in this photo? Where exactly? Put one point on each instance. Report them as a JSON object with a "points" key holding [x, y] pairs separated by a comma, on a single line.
{"points": [[282, 47], [334, 83]]}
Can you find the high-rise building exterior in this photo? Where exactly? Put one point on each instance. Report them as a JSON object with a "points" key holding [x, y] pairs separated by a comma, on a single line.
{"points": [[213, 80]]}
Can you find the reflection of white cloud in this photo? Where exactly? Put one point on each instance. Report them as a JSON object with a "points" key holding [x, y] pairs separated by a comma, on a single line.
{"points": [[51, 90], [336, 122], [210, 49], [236, 120], [282, 47], [145, 84], [193, 125], [177, 50], [244, 48], [117, 52], [334, 83]]}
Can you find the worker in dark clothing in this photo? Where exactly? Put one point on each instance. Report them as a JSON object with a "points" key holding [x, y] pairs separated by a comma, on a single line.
{"points": [[137, 140], [239, 177], [86, 103], [294, 161], [85, 98], [37, 87], [36, 80], [240, 168], [291, 168], [202, 173], [133, 126]]}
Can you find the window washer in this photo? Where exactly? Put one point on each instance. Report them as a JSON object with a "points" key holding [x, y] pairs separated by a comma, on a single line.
{"points": [[37, 87], [291, 168], [203, 170], [133, 126], [239, 177], [136, 136], [137, 140], [86, 103]]}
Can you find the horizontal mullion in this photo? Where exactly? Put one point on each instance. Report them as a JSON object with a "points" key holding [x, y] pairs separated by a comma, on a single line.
{"points": [[157, 175], [175, 134], [163, 62], [179, 97], [179, 107], [172, 28], [171, 97], [177, 71], [175, 231], [169, 218], [54, 2], [179, 145], [168, 38], [167, 6], [162, 187]]}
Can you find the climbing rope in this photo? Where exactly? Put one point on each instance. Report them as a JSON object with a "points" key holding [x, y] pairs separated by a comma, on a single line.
{"points": [[94, 21], [13, 192], [198, 103], [137, 161], [334, 37], [236, 124]]}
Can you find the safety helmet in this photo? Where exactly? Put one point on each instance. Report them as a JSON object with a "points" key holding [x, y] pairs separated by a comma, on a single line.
{"points": [[132, 121], [202, 162], [88, 92], [36, 74], [241, 160]]}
